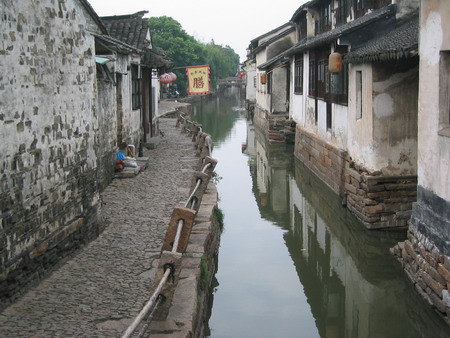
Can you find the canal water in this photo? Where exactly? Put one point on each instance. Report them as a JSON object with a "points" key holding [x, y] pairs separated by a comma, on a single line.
{"points": [[293, 262]]}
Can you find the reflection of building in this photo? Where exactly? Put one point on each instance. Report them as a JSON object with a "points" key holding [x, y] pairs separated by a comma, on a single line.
{"points": [[352, 285]]}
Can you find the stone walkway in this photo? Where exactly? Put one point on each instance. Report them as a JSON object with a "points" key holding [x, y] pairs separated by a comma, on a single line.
{"points": [[98, 292]]}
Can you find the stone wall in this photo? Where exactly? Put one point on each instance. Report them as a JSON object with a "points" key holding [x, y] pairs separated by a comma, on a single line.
{"points": [[425, 255], [52, 141], [325, 160], [378, 201], [427, 268], [276, 125]]}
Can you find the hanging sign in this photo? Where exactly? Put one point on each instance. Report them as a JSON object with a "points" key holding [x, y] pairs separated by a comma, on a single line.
{"points": [[198, 80]]}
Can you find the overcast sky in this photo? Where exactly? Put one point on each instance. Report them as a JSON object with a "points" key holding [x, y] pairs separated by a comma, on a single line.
{"points": [[228, 22]]}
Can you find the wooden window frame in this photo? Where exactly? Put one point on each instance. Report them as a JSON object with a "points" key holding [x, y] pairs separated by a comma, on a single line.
{"points": [[298, 74], [136, 92]]}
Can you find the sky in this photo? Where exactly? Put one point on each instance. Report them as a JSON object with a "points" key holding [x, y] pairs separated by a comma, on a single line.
{"points": [[231, 22]]}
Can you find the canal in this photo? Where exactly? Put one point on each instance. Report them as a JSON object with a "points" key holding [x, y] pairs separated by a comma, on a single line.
{"points": [[293, 262]]}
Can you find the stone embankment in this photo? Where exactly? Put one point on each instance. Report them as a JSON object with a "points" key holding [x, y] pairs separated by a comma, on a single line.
{"points": [[99, 291]]}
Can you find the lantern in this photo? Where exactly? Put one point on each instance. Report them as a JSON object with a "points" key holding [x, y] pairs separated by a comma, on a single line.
{"points": [[167, 78], [335, 62], [263, 78], [174, 77]]}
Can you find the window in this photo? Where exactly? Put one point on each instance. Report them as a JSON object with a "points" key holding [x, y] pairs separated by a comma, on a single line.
{"points": [[444, 94], [342, 12], [298, 75], [269, 83], [312, 76], [135, 87], [329, 116], [322, 78], [332, 87], [325, 17], [358, 94], [339, 86]]}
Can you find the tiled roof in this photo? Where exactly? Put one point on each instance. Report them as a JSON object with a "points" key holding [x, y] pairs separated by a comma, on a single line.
{"points": [[402, 42], [131, 29], [341, 30]]}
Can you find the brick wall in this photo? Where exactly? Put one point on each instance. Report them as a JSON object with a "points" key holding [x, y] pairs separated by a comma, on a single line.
{"points": [[276, 125], [325, 160], [427, 268], [378, 201]]}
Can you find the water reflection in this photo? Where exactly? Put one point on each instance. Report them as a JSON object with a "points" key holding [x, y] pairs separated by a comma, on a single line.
{"points": [[218, 116], [293, 262], [354, 287]]}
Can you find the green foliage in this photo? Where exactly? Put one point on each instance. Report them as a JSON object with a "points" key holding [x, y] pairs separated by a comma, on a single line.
{"points": [[185, 50]]}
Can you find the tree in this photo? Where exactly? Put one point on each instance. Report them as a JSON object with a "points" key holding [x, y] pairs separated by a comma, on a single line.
{"points": [[185, 50]]}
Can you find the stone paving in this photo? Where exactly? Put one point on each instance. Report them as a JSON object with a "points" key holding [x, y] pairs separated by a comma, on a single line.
{"points": [[99, 291]]}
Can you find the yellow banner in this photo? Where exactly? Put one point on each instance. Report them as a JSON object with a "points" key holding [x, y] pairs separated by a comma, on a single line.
{"points": [[198, 80]]}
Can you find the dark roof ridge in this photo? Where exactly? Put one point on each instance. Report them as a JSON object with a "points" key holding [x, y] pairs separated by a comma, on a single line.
{"points": [[272, 31], [136, 15], [401, 42]]}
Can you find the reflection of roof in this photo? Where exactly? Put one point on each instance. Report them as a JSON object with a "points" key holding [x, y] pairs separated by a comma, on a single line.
{"points": [[342, 30], [402, 42], [131, 29]]}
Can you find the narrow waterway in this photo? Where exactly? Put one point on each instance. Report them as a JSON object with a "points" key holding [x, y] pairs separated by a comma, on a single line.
{"points": [[293, 262]]}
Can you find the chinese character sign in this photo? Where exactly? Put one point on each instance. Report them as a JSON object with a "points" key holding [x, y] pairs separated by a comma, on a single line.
{"points": [[198, 80]]}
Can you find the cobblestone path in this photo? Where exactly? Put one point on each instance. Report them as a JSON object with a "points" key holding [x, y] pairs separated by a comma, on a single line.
{"points": [[99, 291]]}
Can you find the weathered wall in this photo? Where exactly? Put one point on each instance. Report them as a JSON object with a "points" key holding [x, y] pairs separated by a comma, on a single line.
{"points": [[384, 138], [395, 91], [279, 90], [107, 131], [50, 148], [360, 130]]}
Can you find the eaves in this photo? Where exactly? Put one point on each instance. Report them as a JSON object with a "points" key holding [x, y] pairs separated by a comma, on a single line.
{"points": [[340, 31]]}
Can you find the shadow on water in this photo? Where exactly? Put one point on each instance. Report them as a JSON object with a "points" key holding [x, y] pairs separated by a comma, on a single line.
{"points": [[306, 266]]}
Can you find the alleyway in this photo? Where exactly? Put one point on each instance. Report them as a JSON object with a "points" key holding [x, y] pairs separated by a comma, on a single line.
{"points": [[100, 290]]}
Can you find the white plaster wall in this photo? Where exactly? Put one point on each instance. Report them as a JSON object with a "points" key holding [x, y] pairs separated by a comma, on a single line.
{"points": [[309, 121], [434, 149], [262, 98], [250, 69], [155, 91], [339, 126], [360, 131], [298, 102], [322, 120]]}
